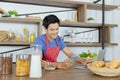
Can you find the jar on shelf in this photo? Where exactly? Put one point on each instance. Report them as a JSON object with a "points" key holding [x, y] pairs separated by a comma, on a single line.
{"points": [[32, 37], [25, 37], [5, 63], [22, 64]]}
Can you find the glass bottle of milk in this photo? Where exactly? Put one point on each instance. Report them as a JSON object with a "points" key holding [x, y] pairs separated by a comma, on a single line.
{"points": [[35, 67]]}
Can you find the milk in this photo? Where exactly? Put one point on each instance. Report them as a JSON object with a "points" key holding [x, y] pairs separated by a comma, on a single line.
{"points": [[35, 67]]}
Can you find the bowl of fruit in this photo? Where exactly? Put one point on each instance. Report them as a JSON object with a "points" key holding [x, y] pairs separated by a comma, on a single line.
{"points": [[88, 55]]}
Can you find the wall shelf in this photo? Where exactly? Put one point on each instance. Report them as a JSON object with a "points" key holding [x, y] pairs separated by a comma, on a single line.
{"points": [[89, 44], [67, 43], [19, 20], [15, 44], [62, 23], [63, 3], [85, 25]]}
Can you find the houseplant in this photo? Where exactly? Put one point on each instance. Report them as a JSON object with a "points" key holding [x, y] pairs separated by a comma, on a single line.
{"points": [[12, 13], [90, 19]]}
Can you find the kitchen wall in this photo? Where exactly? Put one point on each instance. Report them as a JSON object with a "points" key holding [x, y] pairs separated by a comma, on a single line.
{"points": [[111, 17]]}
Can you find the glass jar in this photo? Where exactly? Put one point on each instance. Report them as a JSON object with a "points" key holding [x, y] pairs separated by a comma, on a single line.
{"points": [[5, 63], [22, 64], [32, 37]]}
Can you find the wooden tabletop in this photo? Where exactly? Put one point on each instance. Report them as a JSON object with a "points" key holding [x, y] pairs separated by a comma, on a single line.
{"points": [[69, 74]]}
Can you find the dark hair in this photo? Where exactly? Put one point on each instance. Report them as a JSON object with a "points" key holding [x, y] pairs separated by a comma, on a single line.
{"points": [[50, 19]]}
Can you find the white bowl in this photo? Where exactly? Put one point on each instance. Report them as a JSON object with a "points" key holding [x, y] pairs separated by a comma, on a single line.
{"points": [[49, 68]]}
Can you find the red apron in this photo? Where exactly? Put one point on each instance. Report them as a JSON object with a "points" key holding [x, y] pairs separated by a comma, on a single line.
{"points": [[51, 52]]}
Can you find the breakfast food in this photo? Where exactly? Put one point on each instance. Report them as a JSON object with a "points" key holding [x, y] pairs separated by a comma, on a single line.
{"points": [[22, 67], [98, 64], [113, 64], [49, 66]]}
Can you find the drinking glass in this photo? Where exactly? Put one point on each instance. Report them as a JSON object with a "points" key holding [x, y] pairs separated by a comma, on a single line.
{"points": [[81, 37], [86, 37], [91, 37]]}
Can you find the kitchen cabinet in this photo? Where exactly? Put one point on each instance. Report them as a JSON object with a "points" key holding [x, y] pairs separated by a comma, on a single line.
{"points": [[81, 8]]}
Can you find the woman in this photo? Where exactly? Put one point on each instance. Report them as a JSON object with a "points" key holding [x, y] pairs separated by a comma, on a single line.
{"points": [[52, 44]]}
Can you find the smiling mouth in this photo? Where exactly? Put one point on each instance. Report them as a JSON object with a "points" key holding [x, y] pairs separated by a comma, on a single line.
{"points": [[54, 35]]}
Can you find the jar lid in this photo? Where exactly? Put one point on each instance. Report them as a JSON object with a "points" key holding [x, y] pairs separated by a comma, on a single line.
{"points": [[6, 55], [23, 56]]}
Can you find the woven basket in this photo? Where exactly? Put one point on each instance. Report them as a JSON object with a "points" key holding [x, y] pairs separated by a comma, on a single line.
{"points": [[5, 36], [104, 71]]}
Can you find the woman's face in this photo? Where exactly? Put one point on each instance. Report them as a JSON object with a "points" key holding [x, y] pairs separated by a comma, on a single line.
{"points": [[52, 31]]}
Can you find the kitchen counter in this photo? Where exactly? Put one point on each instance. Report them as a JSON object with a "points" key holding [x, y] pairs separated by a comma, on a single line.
{"points": [[58, 74]]}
